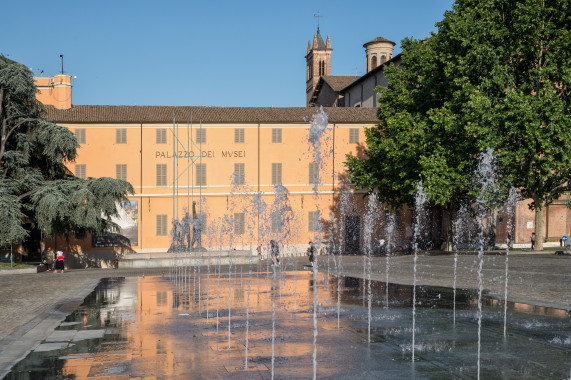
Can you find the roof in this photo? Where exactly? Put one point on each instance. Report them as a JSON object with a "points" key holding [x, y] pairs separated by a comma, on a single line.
{"points": [[165, 114], [320, 43], [394, 60], [337, 83], [377, 40]]}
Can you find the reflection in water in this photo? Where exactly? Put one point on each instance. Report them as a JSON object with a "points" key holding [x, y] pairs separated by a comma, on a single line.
{"points": [[152, 327]]}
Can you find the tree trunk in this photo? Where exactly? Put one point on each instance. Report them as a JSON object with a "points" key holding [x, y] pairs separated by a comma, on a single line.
{"points": [[539, 226], [450, 243]]}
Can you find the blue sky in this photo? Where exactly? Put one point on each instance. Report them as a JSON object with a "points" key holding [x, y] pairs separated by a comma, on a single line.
{"points": [[219, 53]]}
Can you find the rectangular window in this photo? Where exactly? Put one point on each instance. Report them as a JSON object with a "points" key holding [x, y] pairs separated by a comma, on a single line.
{"points": [[276, 222], [239, 177], [397, 219], [201, 136], [353, 135], [276, 135], [161, 136], [239, 223], [80, 135], [121, 171], [313, 221], [276, 174], [80, 171], [121, 136], [239, 135], [161, 174], [313, 173], [200, 175], [162, 225]]}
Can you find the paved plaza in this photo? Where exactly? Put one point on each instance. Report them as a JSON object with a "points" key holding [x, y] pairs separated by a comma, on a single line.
{"points": [[33, 305]]}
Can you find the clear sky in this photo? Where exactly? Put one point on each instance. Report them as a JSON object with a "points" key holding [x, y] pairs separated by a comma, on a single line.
{"points": [[213, 53]]}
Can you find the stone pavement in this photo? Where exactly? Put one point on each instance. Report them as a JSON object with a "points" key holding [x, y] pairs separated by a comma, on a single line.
{"points": [[33, 305]]}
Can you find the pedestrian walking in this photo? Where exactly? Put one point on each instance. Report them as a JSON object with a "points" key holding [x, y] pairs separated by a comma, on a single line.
{"points": [[59, 262], [311, 253], [275, 252]]}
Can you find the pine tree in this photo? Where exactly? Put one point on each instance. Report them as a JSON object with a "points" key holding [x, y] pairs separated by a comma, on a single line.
{"points": [[36, 187]]}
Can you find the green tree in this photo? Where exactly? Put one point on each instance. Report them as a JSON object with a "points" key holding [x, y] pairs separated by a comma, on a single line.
{"points": [[496, 74], [36, 188]]}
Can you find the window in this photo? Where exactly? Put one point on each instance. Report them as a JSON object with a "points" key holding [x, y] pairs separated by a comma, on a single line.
{"points": [[313, 173], [353, 135], [373, 62], [276, 222], [239, 135], [162, 298], [321, 68], [121, 136], [238, 223], [239, 178], [200, 174], [276, 135], [162, 225], [80, 135], [121, 171], [161, 136], [397, 219], [313, 221], [277, 174], [383, 59], [201, 136], [80, 171], [161, 174]]}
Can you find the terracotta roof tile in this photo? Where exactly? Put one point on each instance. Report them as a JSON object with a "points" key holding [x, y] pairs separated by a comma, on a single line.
{"points": [[337, 83], [165, 114]]}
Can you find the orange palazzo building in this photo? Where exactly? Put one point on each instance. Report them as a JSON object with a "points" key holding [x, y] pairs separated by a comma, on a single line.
{"points": [[250, 172]]}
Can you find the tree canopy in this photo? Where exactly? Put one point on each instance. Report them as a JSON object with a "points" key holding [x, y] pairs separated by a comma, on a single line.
{"points": [[36, 188], [495, 75]]}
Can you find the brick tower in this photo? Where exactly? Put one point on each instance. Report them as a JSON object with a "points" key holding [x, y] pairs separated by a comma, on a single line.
{"points": [[318, 60]]}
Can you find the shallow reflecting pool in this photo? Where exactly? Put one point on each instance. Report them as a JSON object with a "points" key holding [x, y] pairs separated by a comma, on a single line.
{"points": [[252, 326]]}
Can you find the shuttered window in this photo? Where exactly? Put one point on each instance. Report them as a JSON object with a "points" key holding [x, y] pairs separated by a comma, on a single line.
{"points": [[276, 135], [239, 177], [239, 135], [121, 171], [276, 174], [80, 135], [161, 136], [200, 175], [162, 225], [121, 136], [239, 225], [80, 171], [353, 135], [161, 174], [313, 221], [201, 136]]}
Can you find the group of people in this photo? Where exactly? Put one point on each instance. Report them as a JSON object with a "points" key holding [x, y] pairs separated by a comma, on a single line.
{"points": [[275, 252]]}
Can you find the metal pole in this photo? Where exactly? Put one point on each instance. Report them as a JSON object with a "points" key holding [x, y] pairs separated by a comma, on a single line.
{"points": [[173, 165]]}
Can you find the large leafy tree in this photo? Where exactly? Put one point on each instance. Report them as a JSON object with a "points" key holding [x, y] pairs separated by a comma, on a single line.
{"points": [[37, 191], [496, 74]]}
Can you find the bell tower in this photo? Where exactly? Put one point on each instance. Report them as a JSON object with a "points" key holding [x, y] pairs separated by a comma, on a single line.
{"points": [[318, 61]]}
